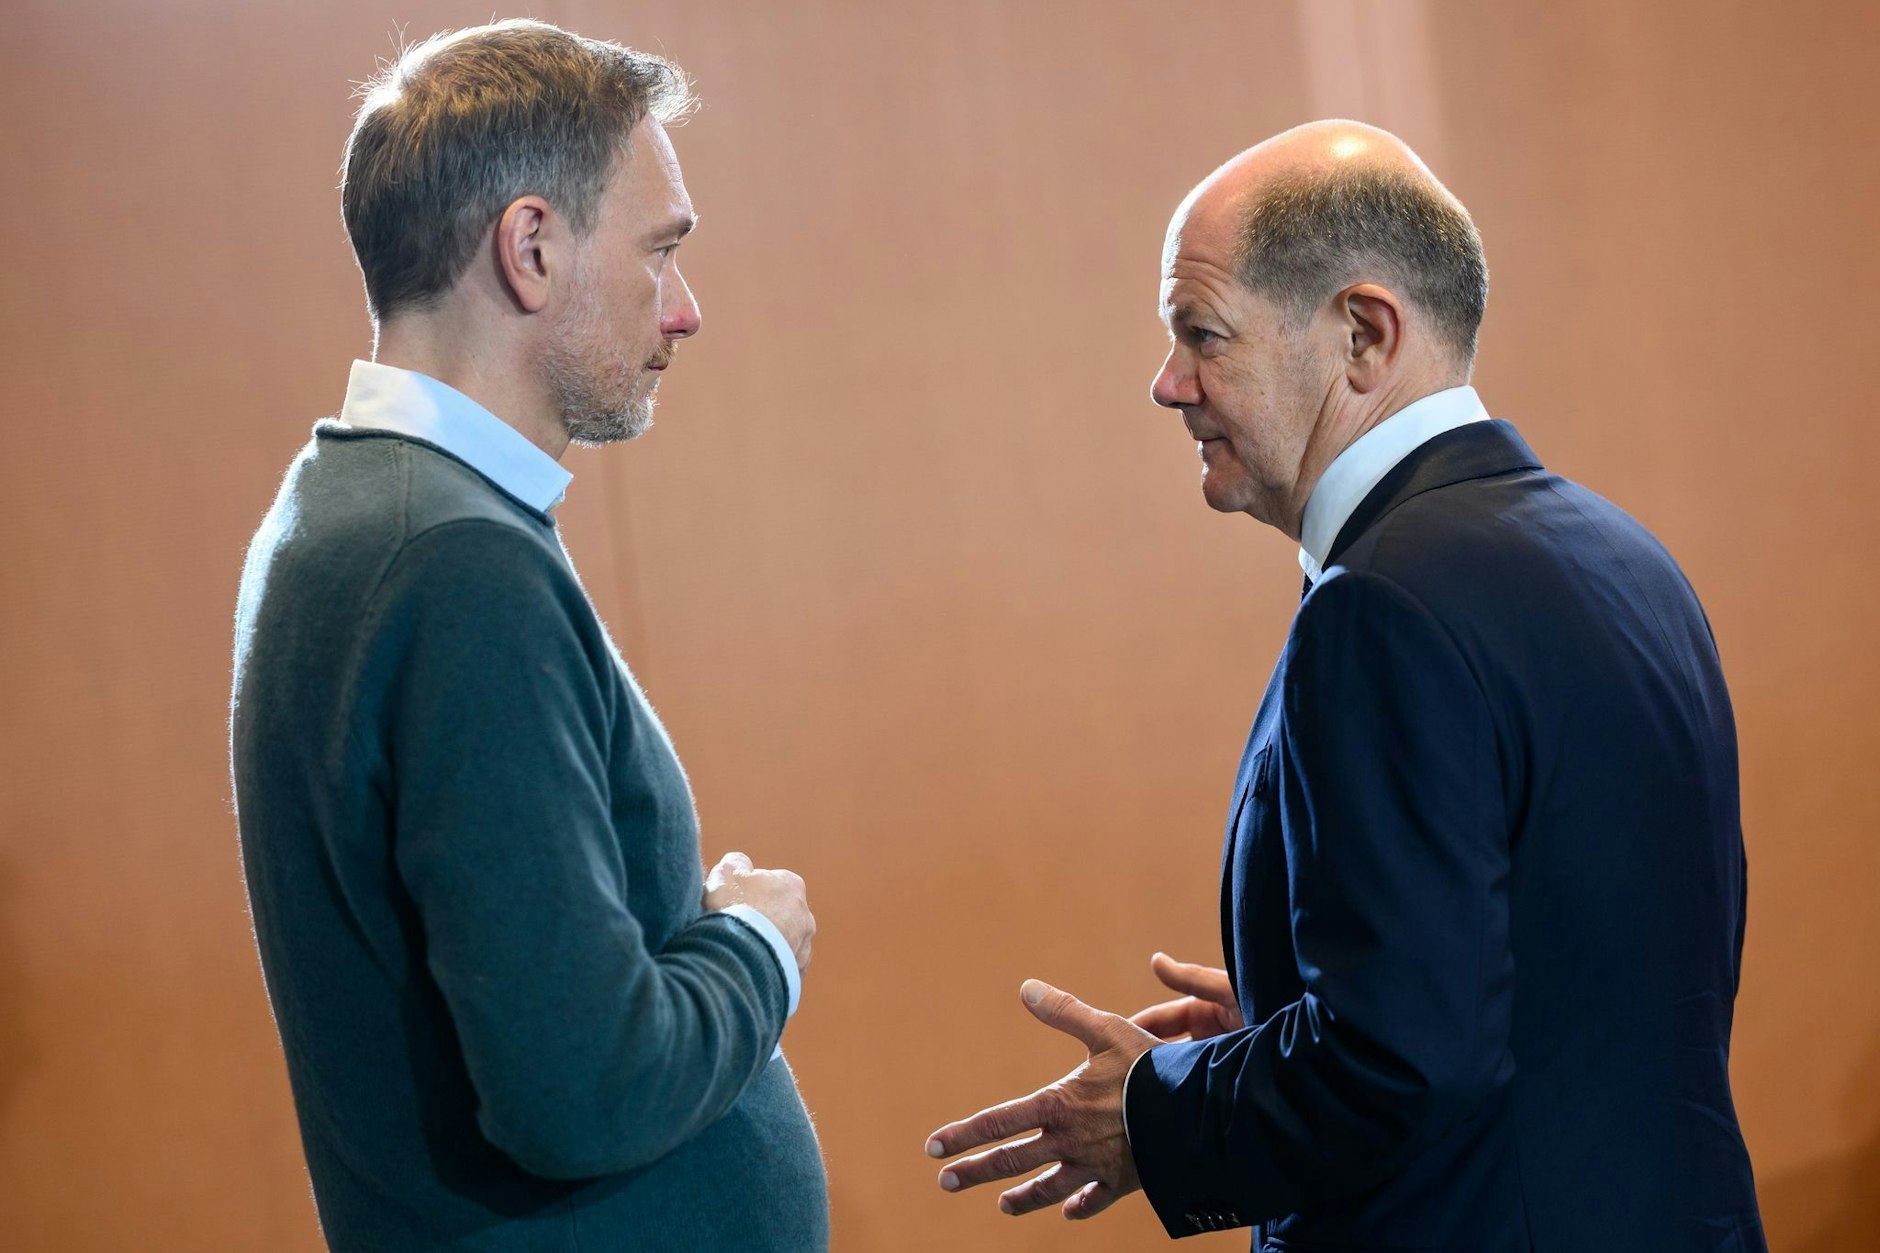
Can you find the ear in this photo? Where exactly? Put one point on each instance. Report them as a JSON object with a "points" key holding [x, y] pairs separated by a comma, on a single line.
{"points": [[524, 239], [1372, 319]]}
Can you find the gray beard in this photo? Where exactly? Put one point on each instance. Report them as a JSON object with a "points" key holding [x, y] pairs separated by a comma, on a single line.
{"points": [[590, 419], [590, 428]]}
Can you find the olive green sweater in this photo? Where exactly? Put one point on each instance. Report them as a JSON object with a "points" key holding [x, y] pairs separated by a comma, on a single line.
{"points": [[474, 867]]}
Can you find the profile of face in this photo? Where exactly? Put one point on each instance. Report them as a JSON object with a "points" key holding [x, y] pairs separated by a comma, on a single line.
{"points": [[1247, 381], [626, 306]]}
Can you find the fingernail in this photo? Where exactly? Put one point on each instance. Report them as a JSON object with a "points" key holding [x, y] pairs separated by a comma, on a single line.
{"points": [[1005, 1206], [949, 1181], [935, 1148], [1032, 991]]}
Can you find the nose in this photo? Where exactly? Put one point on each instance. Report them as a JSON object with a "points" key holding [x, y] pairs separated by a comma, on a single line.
{"points": [[679, 316], [1175, 383]]}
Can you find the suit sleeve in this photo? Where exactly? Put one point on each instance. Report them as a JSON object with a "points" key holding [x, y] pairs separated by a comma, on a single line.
{"points": [[589, 1052], [1392, 817]]}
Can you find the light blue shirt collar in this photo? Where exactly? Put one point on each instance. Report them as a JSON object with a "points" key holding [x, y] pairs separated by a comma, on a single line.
{"points": [[386, 398], [1358, 469]]}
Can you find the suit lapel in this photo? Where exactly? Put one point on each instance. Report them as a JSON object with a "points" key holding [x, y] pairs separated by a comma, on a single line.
{"points": [[1258, 738]]}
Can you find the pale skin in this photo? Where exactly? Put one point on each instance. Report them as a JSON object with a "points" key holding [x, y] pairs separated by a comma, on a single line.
{"points": [[1271, 403], [612, 306]]}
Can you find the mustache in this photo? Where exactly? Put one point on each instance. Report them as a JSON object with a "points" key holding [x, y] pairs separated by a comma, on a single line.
{"points": [[663, 358]]}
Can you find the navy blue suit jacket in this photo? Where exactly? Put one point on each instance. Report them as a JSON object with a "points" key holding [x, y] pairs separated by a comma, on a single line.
{"points": [[1482, 897]]}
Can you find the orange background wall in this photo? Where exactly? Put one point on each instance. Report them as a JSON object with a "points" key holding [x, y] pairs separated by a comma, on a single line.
{"points": [[920, 580]]}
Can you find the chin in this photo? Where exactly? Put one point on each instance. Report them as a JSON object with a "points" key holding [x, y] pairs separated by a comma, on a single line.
{"points": [[1221, 497], [596, 435], [589, 427]]}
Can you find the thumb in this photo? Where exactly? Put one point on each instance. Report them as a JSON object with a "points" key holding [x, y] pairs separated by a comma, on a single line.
{"points": [[1059, 1009]]}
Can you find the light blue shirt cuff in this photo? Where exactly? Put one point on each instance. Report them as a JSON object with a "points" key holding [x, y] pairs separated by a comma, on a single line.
{"points": [[786, 957]]}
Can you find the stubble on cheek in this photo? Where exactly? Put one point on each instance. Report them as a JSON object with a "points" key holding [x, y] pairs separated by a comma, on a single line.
{"points": [[601, 396]]}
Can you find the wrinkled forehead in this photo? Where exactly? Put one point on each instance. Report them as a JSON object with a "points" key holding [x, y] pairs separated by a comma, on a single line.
{"points": [[1199, 243], [1204, 224]]}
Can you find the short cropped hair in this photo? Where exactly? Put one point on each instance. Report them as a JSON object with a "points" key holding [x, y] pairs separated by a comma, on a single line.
{"points": [[1305, 235], [461, 125]]}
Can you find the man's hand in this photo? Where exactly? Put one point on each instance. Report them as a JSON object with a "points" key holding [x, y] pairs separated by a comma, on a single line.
{"points": [[1207, 1009], [1078, 1119], [779, 895]]}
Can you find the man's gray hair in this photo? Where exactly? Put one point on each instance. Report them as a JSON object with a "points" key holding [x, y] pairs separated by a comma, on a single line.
{"points": [[1306, 235], [461, 125]]}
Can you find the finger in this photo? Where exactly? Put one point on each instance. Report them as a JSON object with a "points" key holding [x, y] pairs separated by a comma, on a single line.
{"points": [[1050, 1188], [1000, 1122], [1057, 1008], [1167, 1020], [728, 865], [1001, 1163], [1210, 983], [1090, 1200]]}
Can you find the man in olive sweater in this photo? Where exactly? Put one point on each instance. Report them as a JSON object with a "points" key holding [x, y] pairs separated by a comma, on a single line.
{"points": [[516, 1012]]}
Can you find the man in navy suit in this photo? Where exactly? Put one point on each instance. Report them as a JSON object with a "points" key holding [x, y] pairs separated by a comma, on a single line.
{"points": [[1483, 884]]}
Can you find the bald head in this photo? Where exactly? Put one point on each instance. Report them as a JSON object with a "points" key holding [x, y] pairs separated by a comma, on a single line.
{"points": [[1331, 203]]}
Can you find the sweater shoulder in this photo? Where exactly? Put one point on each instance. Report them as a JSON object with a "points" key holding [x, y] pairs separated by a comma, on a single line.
{"points": [[361, 498], [429, 486], [361, 510]]}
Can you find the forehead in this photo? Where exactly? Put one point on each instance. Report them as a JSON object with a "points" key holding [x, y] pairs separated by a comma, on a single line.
{"points": [[648, 186], [1198, 257]]}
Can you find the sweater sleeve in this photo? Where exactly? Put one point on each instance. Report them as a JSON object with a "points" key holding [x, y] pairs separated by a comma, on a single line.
{"points": [[590, 1054], [1397, 861]]}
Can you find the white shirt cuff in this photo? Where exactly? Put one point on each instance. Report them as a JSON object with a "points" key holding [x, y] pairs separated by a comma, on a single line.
{"points": [[786, 956], [1128, 1075]]}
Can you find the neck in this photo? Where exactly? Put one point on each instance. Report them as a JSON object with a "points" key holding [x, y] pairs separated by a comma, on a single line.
{"points": [[492, 372], [1345, 418]]}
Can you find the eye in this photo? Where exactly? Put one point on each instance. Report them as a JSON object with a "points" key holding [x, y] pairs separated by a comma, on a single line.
{"points": [[1201, 336]]}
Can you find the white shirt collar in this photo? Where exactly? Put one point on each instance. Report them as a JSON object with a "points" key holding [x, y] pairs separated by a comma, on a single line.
{"points": [[1375, 454], [386, 398], [1358, 469]]}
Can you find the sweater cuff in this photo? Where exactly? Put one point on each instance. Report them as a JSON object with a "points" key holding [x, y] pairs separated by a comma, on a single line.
{"points": [[754, 918]]}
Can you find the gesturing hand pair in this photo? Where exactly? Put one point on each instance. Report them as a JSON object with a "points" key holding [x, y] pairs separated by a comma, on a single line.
{"points": [[1077, 1122]]}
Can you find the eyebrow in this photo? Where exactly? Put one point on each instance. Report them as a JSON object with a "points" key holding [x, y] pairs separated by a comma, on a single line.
{"points": [[677, 228]]}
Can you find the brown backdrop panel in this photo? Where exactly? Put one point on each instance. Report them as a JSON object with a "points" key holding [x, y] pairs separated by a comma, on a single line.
{"points": [[916, 574]]}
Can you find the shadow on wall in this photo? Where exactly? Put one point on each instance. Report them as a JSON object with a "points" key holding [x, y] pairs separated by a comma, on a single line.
{"points": [[1832, 1206]]}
